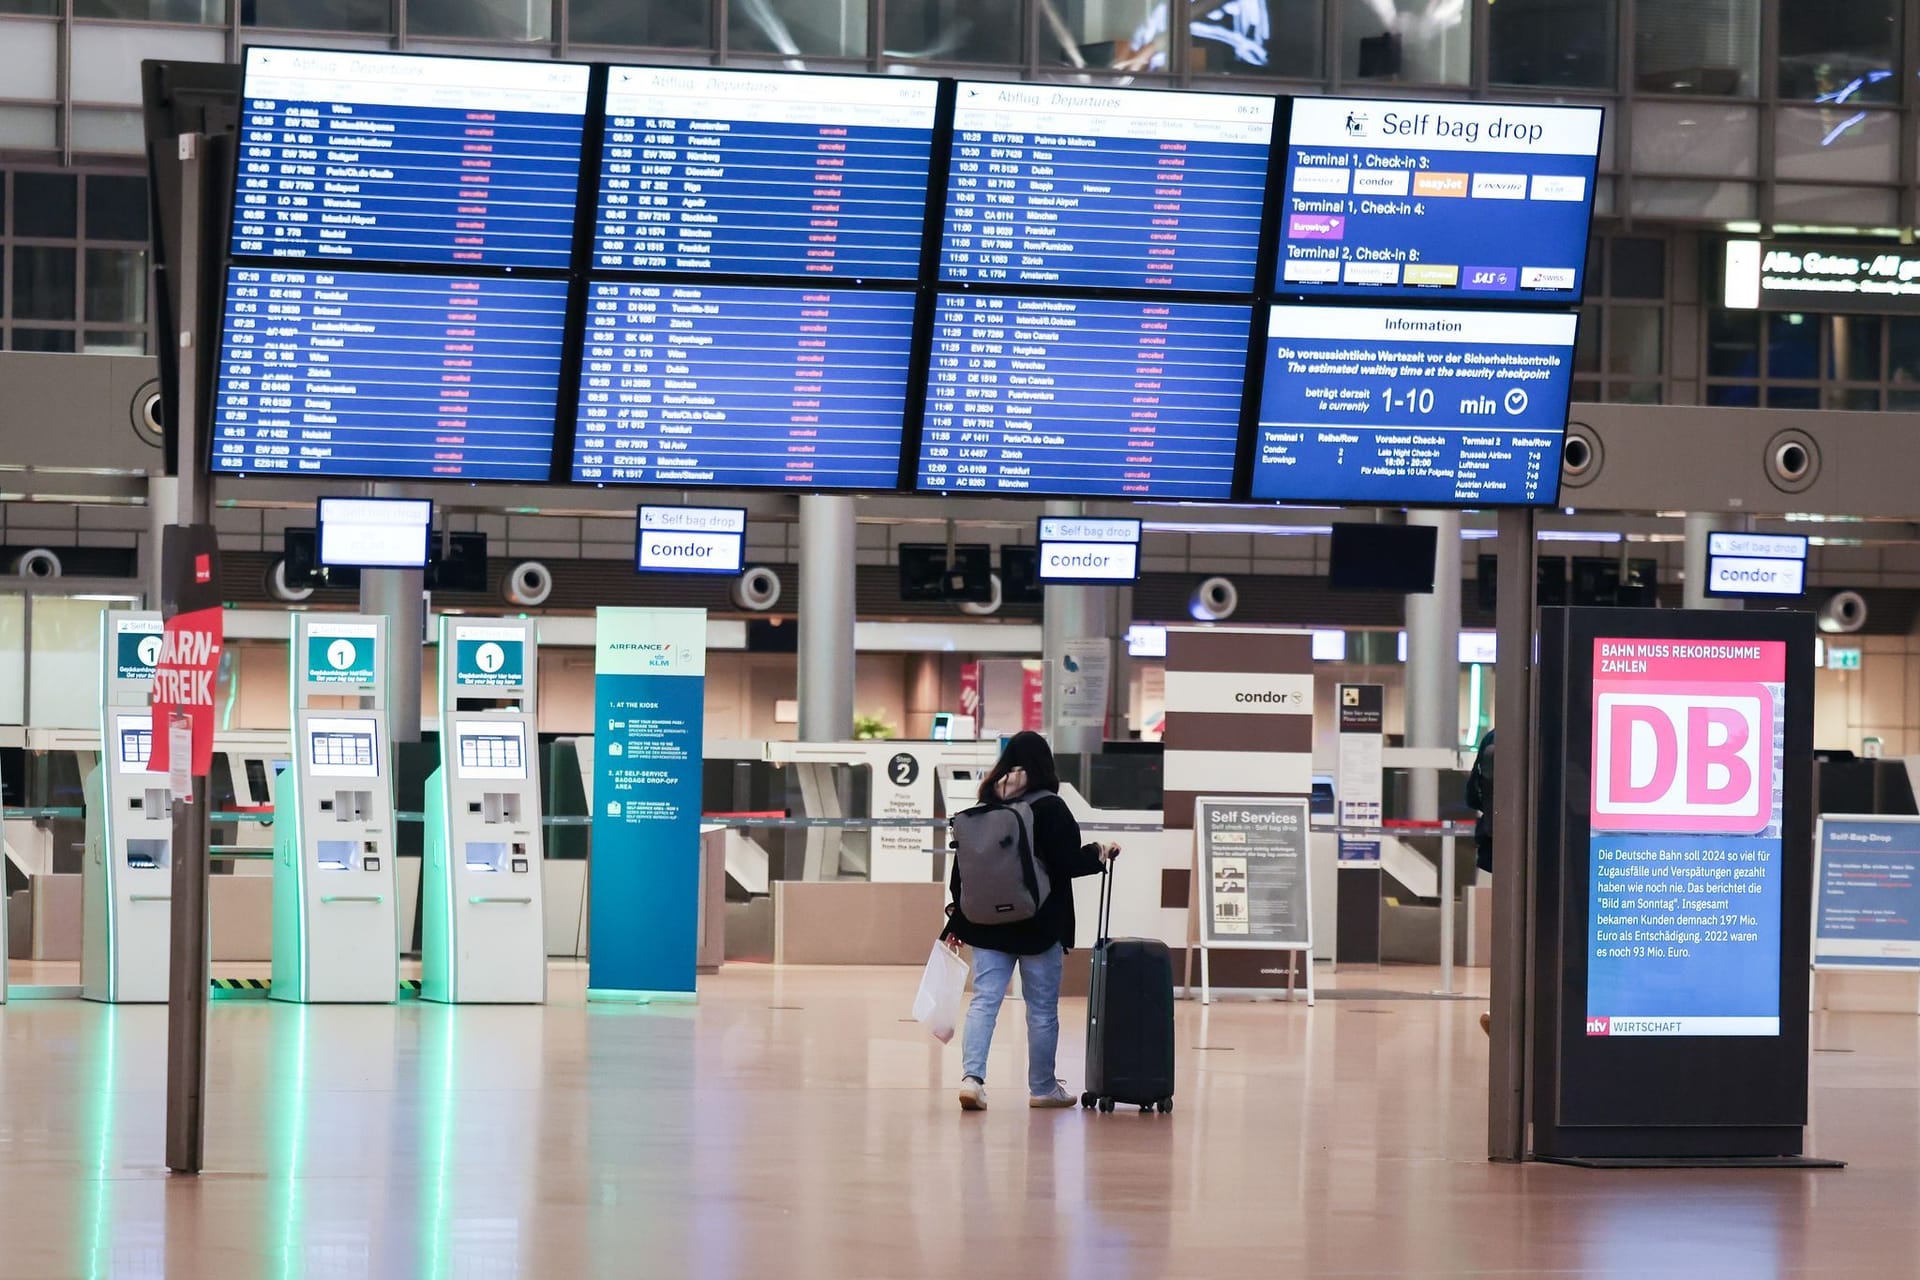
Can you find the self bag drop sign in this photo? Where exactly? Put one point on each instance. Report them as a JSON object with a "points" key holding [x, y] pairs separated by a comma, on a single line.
{"points": [[1684, 922]]}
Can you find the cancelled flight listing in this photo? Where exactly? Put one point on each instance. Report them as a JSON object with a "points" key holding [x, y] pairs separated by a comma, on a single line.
{"points": [[1366, 404]]}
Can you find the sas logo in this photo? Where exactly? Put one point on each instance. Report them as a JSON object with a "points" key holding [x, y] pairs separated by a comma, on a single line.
{"points": [[1670, 758], [1599, 1026]]}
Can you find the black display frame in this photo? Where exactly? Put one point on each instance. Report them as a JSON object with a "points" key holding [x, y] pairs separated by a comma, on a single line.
{"points": [[1659, 1098]]}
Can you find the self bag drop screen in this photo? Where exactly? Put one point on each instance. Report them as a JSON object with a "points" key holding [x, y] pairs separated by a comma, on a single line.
{"points": [[1688, 767]]}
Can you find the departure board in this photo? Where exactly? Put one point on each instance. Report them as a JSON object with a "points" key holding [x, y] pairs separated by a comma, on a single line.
{"points": [[744, 387], [367, 373], [1437, 200], [757, 173], [1119, 188], [1405, 407], [1083, 396], [382, 158]]}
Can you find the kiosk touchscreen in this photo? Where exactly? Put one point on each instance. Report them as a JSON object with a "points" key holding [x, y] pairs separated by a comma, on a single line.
{"points": [[334, 887], [483, 939], [126, 876]]}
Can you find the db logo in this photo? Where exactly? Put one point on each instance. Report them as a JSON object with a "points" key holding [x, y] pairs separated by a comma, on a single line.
{"points": [[1599, 1026], [1671, 760]]}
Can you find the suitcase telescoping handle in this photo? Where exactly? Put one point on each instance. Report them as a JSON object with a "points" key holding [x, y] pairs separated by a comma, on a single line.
{"points": [[1106, 902]]}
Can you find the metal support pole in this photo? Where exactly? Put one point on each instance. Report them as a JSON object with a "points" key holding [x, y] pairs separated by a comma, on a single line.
{"points": [[1448, 893], [1513, 840], [1694, 558], [395, 594], [188, 941], [827, 612], [1070, 614], [1433, 660]]}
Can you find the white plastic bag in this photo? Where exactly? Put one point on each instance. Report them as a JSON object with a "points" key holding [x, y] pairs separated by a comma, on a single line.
{"points": [[943, 985]]}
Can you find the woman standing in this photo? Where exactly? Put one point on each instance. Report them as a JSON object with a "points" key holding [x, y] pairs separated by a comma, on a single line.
{"points": [[1038, 944]]}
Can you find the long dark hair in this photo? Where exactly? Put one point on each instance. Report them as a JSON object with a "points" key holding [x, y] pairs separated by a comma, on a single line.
{"points": [[1024, 750]]}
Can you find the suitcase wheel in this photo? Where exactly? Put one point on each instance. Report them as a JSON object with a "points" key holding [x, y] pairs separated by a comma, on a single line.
{"points": [[1086, 1101], [1106, 1106], [1147, 1109], [1166, 1106]]}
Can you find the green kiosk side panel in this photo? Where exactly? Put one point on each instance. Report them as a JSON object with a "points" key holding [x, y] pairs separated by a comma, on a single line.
{"points": [[436, 899]]}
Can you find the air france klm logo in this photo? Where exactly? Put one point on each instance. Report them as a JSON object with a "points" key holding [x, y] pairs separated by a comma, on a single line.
{"points": [[1678, 760]]}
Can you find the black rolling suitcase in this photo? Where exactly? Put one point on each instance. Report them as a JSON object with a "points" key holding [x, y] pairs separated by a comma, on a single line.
{"points": [[1129, 1019]]}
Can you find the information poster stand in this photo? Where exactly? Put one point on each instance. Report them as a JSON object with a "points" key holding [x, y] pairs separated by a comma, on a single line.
{"points": [[1867, 909], [1255, 881]]}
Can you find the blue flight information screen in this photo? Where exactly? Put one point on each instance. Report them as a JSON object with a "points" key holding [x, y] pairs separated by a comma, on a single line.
{"points": [[758, 173], [744, 387], [1083, 396], [362, 373], [1436, 200], [382, 158], [1397, 406], [1120, 188]]}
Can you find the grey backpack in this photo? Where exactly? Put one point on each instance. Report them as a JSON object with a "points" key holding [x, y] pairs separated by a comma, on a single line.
{"points": [[1002, 880]]}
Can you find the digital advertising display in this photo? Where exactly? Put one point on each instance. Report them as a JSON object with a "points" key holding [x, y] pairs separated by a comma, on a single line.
{"points": [[388, 159], [756, 173], [1688, 760], [1083, 397], [1398, 406], [743, 386], [1105, 188], [326, 373], [1443, 200]]}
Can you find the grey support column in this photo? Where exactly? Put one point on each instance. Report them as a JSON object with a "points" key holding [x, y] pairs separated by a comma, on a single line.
{"points": [[827, 613], [1433, 659], [1075, 614], [396, 595], [1695, 563], [1511, 980]]}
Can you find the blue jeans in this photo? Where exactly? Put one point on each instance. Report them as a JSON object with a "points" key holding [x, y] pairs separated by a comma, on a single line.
{"points": [[1040, 985]]}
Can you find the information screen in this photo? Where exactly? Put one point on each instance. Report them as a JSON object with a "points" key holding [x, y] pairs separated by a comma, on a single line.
{"points": [[1400, 199], [1686, 875], [135, 734], [328, 373], [757, 173], [743, 386], [489, 750], [1869, 899], [375, 533], [1083, 396], [1401, 406], [1118, 188], [385, 158], [341, 748]]}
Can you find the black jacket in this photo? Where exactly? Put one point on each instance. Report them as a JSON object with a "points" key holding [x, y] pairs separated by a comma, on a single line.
{"points": [[1056, 838], [1480, 799]]}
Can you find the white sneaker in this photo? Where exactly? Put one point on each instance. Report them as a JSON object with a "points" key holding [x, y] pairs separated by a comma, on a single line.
{"points": [[973, 1095], [1055, 1100]]}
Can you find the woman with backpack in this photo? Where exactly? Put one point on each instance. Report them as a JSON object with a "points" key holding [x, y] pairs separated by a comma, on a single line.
{"points": [[1025, 905]]}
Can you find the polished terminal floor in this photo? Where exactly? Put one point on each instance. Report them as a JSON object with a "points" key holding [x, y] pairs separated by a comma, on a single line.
{"points": [[794, 1125]]}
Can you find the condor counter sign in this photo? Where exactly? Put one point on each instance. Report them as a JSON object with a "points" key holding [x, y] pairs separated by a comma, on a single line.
{"points": [[1088, 551], [186, 669], [1675, 789], [690, 539]]}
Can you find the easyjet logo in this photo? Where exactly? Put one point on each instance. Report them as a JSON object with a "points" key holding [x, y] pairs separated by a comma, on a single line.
{"points": [[1683, 761]]}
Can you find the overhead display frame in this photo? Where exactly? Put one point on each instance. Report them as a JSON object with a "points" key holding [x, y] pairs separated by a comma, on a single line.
{"points": [[1444, 201]]}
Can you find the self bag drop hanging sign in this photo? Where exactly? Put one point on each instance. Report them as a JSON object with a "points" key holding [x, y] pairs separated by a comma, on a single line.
{"points": [[187, 674]]}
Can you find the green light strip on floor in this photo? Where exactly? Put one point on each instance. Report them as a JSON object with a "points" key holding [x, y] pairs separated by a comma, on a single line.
{"points": [[291, 1259], [99, 1250]]}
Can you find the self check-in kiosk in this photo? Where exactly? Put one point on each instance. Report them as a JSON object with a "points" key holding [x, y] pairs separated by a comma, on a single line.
{"points": [[334, 887], [126, 875], [484, 935]]}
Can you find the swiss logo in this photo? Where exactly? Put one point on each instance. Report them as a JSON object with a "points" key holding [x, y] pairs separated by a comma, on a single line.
{"points": [[1675, 758]]}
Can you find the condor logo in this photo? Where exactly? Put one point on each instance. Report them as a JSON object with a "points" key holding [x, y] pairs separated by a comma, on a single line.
{"points": [[1667, 760]]}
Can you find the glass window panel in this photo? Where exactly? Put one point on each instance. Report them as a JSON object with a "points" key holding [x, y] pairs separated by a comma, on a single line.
{"points": [[117, 286], [106, 60], [108, 132], [1903, 349], [115, 342], [45, 204], [1840, 51], [658, 24], [1551, 42], [43, 282], [1695, 138], [28, 128], [1586, 392], [1836, 143], [322, 15], [1635, 392], [30, 56], [1639, 267], [204, 12], [953, 30], [1861, 399], [1853, 348], [1903, 401], [1596, 260], [1736, 396], [1256, 37], [1714, 201], [116, 207], [1586, 350], [821, 28], [1793, 345], [1793, 397], [1128, 35], [55, 340], [1829, 206], [1415, 41], [1733, 344], [38, 8], [509, 21], [1633, 340], [1697, 46]]}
